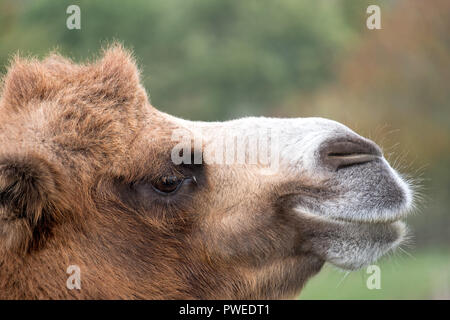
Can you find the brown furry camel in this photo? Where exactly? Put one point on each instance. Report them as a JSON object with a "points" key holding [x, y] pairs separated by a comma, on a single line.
{"points": [[93, 176]]}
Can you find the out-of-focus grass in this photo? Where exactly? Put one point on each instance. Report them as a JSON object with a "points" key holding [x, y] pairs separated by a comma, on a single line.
{"points": [[423, 275]]}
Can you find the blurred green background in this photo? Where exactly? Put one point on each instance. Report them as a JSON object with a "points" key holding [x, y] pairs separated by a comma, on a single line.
{"points": [[217, 60]]}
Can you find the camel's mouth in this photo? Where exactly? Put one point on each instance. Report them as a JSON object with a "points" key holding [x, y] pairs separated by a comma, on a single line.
{"points": [[368, 192], [359, 218]]}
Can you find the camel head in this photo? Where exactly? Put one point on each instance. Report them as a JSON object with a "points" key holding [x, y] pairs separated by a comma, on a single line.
{"points": [[151, 206]]}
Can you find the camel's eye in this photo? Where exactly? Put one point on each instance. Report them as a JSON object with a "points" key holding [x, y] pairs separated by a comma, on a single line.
{"points": [[168, 184]]}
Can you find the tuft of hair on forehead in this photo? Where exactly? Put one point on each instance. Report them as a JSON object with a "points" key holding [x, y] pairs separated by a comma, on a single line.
{"points": [[114, 77]]}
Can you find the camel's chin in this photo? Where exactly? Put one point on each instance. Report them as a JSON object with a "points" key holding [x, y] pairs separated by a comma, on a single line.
{"points": [[353, 245], [368, 244]]}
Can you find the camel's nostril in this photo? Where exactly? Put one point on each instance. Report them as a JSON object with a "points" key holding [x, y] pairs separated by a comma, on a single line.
{"points": [[340, 161], [338, 153]]}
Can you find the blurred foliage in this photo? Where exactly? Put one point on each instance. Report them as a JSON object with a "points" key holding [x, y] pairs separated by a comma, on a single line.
{"points": [[215, 60], [204, 59]]}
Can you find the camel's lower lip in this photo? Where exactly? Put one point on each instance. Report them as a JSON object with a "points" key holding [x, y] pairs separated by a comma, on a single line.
{"points": [[374, 241], [381, 227], [352, 245]]}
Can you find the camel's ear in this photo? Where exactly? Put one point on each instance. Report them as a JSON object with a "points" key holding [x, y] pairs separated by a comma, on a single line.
{"points": [[32, 80], [27, 207], [24, 82], [115, 77]]}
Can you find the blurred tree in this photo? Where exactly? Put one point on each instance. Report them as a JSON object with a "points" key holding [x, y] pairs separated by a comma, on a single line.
{"points": [[202, 59]]}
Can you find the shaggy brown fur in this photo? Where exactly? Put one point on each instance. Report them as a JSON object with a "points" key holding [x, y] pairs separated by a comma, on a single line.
{"points": [[80, 146]]}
